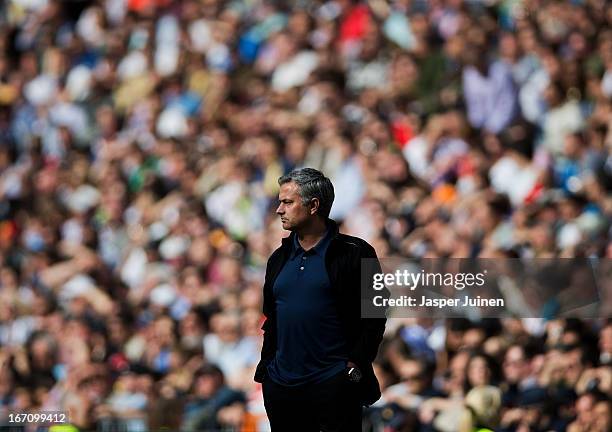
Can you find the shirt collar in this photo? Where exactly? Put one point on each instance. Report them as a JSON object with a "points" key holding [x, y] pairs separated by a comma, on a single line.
{"points": [[319, 248]]}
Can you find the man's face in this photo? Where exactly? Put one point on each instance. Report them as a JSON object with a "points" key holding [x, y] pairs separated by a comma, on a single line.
{"points": [[514, 365], [411, 373], [292, 211], [206, 386]]}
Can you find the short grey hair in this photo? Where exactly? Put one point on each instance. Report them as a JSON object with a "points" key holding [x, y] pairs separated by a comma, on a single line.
{"points": [[312, 183]]}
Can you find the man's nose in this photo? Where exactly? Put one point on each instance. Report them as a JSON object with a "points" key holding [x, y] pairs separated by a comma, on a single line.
{"points": [[280, 210]]}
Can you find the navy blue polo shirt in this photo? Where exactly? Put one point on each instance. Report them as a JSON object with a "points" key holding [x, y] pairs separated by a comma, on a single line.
{"points": [[311, 346]]}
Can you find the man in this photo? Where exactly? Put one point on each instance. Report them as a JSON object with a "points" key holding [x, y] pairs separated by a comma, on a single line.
{"points": [[518, 374], [211, 396], [316, 360]]}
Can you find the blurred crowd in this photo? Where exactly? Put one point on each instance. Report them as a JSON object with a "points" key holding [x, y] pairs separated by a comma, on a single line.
{"points": [[140, 146]]}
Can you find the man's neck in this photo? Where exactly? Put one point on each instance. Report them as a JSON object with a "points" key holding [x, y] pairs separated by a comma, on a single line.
{"points": [[310, 235]]}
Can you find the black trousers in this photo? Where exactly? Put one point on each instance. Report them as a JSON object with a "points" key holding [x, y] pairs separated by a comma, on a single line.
{"points": [[330, 406]]}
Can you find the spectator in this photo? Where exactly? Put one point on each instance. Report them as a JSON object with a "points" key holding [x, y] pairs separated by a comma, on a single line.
{"points": [[212, 402], [140, 147]]}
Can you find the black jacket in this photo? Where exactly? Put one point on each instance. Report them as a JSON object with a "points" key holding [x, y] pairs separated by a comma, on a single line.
{"points": [[343, 264]]}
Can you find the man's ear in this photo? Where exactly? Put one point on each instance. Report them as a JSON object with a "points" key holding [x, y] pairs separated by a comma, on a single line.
{"points": [[314, 205]]}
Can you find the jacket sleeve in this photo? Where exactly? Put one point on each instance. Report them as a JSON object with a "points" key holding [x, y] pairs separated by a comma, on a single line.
{"points": [[371, 332], [268, 349]]}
